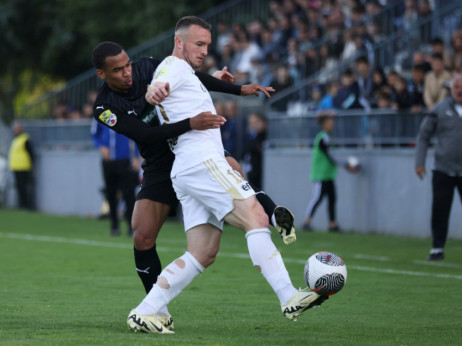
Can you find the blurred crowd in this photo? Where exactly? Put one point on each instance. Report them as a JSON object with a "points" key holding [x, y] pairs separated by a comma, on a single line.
{"points": [[303, 37], [64, 110]]}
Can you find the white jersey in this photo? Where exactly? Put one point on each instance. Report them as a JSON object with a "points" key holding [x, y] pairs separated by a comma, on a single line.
{"points": [[188, 97]]}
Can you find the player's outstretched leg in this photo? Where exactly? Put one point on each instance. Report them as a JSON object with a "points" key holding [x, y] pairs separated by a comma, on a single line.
{"points": [[249, 216]]}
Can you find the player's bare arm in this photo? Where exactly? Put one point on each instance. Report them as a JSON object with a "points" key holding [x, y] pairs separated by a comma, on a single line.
{"points": [[206, 120], [255, 89], [224, 75], [157, 92]]}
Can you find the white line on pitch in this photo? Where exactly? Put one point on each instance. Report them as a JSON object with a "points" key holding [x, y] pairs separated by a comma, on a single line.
{"points": [[438, 264], [372, 258], [87, 242]]}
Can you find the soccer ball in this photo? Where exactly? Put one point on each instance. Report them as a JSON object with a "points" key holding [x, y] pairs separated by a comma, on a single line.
{"points": [[325, 273], [353, 161]]}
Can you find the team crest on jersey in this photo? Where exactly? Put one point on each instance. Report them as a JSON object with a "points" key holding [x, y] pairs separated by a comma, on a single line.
{"points": [[160, 73], [108, 118]]}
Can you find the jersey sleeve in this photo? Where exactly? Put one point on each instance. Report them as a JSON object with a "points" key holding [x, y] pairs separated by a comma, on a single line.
{"points": [[136, 129], [214, 84]]}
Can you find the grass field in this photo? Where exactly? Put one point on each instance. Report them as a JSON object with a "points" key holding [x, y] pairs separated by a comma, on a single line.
{"points": [[64, 281]]}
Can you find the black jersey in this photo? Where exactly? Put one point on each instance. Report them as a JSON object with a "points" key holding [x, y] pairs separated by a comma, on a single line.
{"points": [[130, 114]]}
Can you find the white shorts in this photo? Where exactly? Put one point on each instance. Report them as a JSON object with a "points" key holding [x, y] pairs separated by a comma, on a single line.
{"points": [[207, 190]]}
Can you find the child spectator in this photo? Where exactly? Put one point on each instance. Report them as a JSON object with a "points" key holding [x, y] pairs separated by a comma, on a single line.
{"points": [[324, 172], [327, 101], [401, 97], [378, 81], [348, 94]]}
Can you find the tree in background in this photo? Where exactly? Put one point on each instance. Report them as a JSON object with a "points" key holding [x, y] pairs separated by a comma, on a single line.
{"points": [[52, 40]]}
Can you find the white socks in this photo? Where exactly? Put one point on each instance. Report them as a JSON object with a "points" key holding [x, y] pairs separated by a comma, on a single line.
{"points": [[267, 258], [171, 281]]}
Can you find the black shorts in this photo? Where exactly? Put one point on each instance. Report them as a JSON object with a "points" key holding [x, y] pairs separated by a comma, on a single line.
{"points": [[158, 191]]}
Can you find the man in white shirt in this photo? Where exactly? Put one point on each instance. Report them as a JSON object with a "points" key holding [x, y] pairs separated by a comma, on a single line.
{"points": [[210, 191]]}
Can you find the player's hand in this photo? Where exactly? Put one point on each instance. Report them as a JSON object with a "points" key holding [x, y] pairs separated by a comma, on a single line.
{"points": [[157, 92], [224, 75], [421, 172], [206, 121], [254, 89]]}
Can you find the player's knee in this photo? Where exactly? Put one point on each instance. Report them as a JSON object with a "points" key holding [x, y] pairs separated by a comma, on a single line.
{"points": [[207, 257], [260, 216], [142, 239]]}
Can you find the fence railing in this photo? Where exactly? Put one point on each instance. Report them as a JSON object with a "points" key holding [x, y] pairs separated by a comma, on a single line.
{"points": [[384, 128], [75, 91], [60, 134]]}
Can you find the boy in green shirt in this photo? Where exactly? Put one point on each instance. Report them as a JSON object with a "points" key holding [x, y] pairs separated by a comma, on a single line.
{"points": [[324, 172]]}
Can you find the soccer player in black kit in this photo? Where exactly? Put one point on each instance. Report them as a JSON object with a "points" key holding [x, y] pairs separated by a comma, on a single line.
{"points": [[121, 105]]}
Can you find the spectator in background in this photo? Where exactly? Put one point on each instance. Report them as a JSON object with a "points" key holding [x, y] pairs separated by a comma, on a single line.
{"points": [[230, 128], [407, 27], [246, 52], [120, 161], [316, 96], [419, 59], [384, 99], [253, 155], [378, 82], [348, 94], [416, 89], [365, 81], [456, 42], [392, 76], [21, 161], [401, 98], [438, 48], [281, 81], [223, 36], [327, 101], [444, 122], [425, 12], [434, 91], [61, 110], [292, 58]]}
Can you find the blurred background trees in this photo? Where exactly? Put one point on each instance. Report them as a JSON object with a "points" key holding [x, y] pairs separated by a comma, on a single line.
{"points": [[44, 43]]}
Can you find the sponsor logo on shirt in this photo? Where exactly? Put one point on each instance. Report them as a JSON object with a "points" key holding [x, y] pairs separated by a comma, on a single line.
{"points": [[108, 118], [160, 73]]}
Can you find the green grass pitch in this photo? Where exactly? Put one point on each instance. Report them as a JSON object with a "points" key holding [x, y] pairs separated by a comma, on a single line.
{"points": [[64, 281]]}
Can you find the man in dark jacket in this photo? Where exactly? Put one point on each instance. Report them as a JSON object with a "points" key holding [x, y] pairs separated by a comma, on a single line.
{"points": [[445, 122]]}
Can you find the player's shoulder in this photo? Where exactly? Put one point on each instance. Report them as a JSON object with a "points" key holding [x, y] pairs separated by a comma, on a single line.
{"points": [[172, 63], [169, 67]]}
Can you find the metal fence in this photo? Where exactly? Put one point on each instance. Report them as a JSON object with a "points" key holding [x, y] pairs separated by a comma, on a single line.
{"points": [[75, 91], [374, 129], [60, 134]]}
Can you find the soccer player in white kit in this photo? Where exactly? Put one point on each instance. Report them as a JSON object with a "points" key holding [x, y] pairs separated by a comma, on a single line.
{"points": [[209, 190]]}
